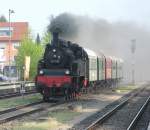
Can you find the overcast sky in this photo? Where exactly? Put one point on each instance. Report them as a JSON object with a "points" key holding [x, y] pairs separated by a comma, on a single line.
{"points": [[37, 12]]}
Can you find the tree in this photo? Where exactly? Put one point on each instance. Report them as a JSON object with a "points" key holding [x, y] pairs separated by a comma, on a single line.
{"points": [[3, 19], [46, 38], [29, 48], [38, 40]]}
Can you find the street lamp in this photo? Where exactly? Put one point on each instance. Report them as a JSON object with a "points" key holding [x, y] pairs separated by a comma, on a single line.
{"points": [[133, 48], [10, 12]]}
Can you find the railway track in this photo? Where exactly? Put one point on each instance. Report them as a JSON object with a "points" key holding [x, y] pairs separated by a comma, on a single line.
{"points": [[103, 115], [16, 94], [19, 111], [138, 115], [143, 121], [125, 115]]}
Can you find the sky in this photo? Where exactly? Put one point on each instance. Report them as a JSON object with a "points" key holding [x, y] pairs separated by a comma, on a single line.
{"points": [[38, 12]]}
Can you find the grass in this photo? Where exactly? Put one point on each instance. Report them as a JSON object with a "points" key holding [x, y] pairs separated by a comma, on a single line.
{"points": [[47, 125], [13, 102], [63, 115], [54, 119], [125, 88], [27, 128]]}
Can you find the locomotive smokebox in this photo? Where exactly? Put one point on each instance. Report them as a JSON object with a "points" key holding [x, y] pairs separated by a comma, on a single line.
{"points": [[55, 39]]}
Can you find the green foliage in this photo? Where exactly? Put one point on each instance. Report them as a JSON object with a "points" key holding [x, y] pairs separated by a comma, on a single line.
{"points": [[3, 18], [13, 102], [46, 38], [63, 115], [29, 48], [38, 40], [125, 88]]}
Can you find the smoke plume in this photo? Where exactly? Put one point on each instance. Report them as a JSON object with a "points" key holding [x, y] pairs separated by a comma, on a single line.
{"points": [[112, 39]]}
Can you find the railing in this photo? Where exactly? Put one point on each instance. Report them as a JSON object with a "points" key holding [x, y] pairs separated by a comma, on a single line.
{"points": [[16, 83]]}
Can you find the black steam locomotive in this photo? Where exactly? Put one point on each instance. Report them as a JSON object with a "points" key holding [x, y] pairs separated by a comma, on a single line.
{"points": [[63, 69]]}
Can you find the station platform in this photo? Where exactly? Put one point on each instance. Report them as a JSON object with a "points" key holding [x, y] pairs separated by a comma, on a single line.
{"points": [[8, 88], [15, 85]]}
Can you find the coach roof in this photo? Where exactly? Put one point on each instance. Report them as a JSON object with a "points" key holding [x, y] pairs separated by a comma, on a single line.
{"points": [[90, 52]]}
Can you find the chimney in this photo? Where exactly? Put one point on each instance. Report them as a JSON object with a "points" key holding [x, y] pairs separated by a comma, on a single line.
{"points": [[55, 38]]}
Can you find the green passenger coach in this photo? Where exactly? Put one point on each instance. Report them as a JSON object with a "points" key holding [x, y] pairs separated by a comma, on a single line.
{"points": [[92, 65]]}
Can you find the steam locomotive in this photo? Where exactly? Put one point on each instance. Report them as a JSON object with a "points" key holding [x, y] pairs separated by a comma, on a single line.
{"points": [[66, 68]]}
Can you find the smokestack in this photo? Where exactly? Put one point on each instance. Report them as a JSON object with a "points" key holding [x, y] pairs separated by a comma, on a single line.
{"points": [[55, 39]]}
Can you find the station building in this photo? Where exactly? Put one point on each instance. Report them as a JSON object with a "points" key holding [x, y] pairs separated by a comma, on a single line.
{"points": [[11, 35]]}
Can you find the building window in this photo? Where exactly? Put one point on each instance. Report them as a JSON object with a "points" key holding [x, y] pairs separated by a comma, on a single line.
{"points": [[4, 31], [2, 49], [16, 45], [2, 56], [2, 45]]}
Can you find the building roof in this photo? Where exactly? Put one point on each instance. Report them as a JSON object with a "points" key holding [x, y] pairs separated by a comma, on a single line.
{"points": [[19, 30]]}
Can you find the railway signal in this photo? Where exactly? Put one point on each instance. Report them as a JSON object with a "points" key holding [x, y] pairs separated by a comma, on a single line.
{"points": [[133, 49]]}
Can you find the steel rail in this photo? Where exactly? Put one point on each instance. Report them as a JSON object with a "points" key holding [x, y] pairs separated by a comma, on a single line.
{"points": [[16, 94], [7, 119], [110, 113], [24, 113], [106, 116], [19, 107], [138, 115]]}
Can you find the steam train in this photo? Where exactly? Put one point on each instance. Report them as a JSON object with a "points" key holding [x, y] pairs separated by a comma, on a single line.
{"points": [[67, 68]]}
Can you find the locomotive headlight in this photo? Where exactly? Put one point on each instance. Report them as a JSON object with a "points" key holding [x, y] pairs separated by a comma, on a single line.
{"points": [[67, 72], [41, 72], [54, 50]]}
